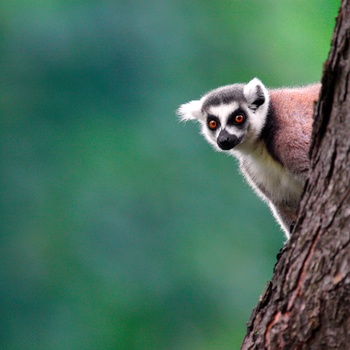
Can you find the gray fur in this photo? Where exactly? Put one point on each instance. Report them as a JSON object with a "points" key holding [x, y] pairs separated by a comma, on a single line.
{"points": [[224, 95]]}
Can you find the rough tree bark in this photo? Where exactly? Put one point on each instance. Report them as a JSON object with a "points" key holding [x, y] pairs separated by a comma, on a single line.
{"points": [[307, 303]]}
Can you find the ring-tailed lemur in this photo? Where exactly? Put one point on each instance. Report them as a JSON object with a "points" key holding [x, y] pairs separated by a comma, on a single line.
{"points": [[268, 131]]}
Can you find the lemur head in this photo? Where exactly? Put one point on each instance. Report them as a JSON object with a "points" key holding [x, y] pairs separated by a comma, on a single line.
{"points": [[231, 116]]}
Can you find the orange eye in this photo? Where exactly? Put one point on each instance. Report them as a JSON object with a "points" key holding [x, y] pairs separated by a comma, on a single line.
{"points": [[213, 124], [239, 118]]}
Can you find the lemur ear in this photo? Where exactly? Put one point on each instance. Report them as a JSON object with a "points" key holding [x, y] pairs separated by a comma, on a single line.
{"points": [[191, 110], [255, 93]]}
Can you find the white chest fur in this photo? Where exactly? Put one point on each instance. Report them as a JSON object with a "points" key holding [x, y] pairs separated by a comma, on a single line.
{"points": [[269, 177]]}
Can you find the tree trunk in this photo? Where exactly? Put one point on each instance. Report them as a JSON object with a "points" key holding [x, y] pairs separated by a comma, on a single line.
{"points": [[307, 303]]}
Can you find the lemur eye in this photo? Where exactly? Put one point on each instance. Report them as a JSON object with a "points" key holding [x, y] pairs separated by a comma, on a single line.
{"points": [[239, 118], [212, 124]]}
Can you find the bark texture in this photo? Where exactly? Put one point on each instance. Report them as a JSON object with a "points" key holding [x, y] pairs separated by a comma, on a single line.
{"points": [[307, 303]]}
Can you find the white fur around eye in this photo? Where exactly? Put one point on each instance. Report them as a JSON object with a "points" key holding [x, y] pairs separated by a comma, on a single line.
{"points": [[223, 111]]}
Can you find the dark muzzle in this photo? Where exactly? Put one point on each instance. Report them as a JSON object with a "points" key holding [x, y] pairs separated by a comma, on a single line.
{"points": [[227, 141]]}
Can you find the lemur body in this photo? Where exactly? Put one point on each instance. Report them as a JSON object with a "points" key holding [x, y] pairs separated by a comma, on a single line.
{"points": [[268, 131]]}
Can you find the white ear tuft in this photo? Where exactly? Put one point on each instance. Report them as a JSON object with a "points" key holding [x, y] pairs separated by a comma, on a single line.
{"points": [[190, 110], [255, 93]]}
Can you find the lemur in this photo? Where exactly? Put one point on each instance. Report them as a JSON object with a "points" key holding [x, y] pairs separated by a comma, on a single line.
{"points": [[268, 131]]}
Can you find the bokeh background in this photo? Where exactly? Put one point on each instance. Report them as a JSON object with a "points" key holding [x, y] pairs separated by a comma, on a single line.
{"points": [[120, 227]]}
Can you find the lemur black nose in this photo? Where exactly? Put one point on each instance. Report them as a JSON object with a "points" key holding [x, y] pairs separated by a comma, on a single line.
{"points": [[226, 141]]}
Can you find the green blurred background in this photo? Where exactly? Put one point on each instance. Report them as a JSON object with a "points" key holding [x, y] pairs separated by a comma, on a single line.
{"points": [[120, 227]]}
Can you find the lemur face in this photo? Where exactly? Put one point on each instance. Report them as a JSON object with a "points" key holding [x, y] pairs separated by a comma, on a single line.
{"points": [[225, 126], [230, 116]]}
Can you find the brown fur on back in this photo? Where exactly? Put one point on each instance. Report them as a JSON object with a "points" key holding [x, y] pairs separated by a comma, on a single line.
{"points": [[293, 117]]}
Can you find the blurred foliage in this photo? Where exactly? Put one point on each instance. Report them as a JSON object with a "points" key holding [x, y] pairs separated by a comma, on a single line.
{"points": [[120, 227]]}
